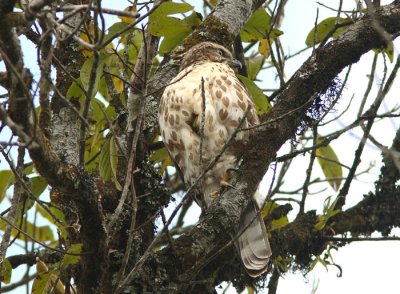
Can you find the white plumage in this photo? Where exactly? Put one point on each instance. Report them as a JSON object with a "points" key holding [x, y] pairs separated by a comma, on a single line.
{"points": [[207, 89]]}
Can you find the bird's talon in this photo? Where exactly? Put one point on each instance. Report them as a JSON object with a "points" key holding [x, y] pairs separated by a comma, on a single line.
{"points": [[214, 194], [225, 184]]}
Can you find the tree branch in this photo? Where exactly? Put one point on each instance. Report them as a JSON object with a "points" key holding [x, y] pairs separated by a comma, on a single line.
{"points": [[308, 83]]}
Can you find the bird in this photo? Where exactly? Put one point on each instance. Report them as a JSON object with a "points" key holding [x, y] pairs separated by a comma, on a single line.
{"points": [[199, 111]]}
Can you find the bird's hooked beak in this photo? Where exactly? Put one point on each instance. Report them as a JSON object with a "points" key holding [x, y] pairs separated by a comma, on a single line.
{"points": [[236, 64]]}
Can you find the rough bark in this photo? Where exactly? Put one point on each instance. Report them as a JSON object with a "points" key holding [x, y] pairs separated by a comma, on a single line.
{"points": [[299, 237], [191, 258]]}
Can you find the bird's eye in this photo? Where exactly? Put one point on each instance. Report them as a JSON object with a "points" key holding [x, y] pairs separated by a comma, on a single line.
{"points": [[220, 52]]}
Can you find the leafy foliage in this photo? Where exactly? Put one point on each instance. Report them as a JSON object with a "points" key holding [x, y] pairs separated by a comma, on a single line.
{"points": [[330, 25], [46, 281], [108, 162], [6, 180], [328, 212], [173, 29], [6, 271], [330, 164], [101, 118], [260, 100], [258, 28]]}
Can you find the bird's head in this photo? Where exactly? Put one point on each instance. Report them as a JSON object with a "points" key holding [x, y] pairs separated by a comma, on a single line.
{"points": [[208, 52]]}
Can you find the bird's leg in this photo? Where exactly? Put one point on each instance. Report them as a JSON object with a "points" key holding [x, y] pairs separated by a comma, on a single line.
{"points": [[224, 183], [227, 177]]}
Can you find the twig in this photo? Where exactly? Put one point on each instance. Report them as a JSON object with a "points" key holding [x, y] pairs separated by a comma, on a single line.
{"points": [[16, 128], [202, 120], [113, 132], [369, 86], [309, 170], [89, 94], [24, 280], [353, 239], [78, 8], [145, 255], [12, 215], [41, 243], [273, 281], [374, 108], [21, 181], [130, 26]]}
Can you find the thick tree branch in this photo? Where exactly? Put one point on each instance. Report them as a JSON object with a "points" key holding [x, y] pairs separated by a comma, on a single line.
{"points": [[77, 184], [281, 123]]}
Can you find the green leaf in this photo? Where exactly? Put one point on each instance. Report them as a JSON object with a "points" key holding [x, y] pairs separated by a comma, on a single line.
{"points": [[96, 114], [45, 282], [388, 50], [323, 262], [194, 19], [108, 162], [330, 166], [103, 89], [28, 169], [38, 186], [58, 214], [75, 92], [250, 290], [316, 261], [111, 113], [328, 212], [72, 259], [114, 65], [167, 8], [264, 47], [104, 162], [161, 156], [89, 154], [6, 180], [86, 70], [213, 2], [168, 26], [260, 100], [114, 29], [114, 162], [132, 43], [256, 27], [181, 30], [40, 233], [173, 29], [170, 42], [56, 284], [6, 271], [253, 65], [277, 223], [133, 52], [329, 208], [93, 147], [129, 20], [324, 27], [321, 221]]}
